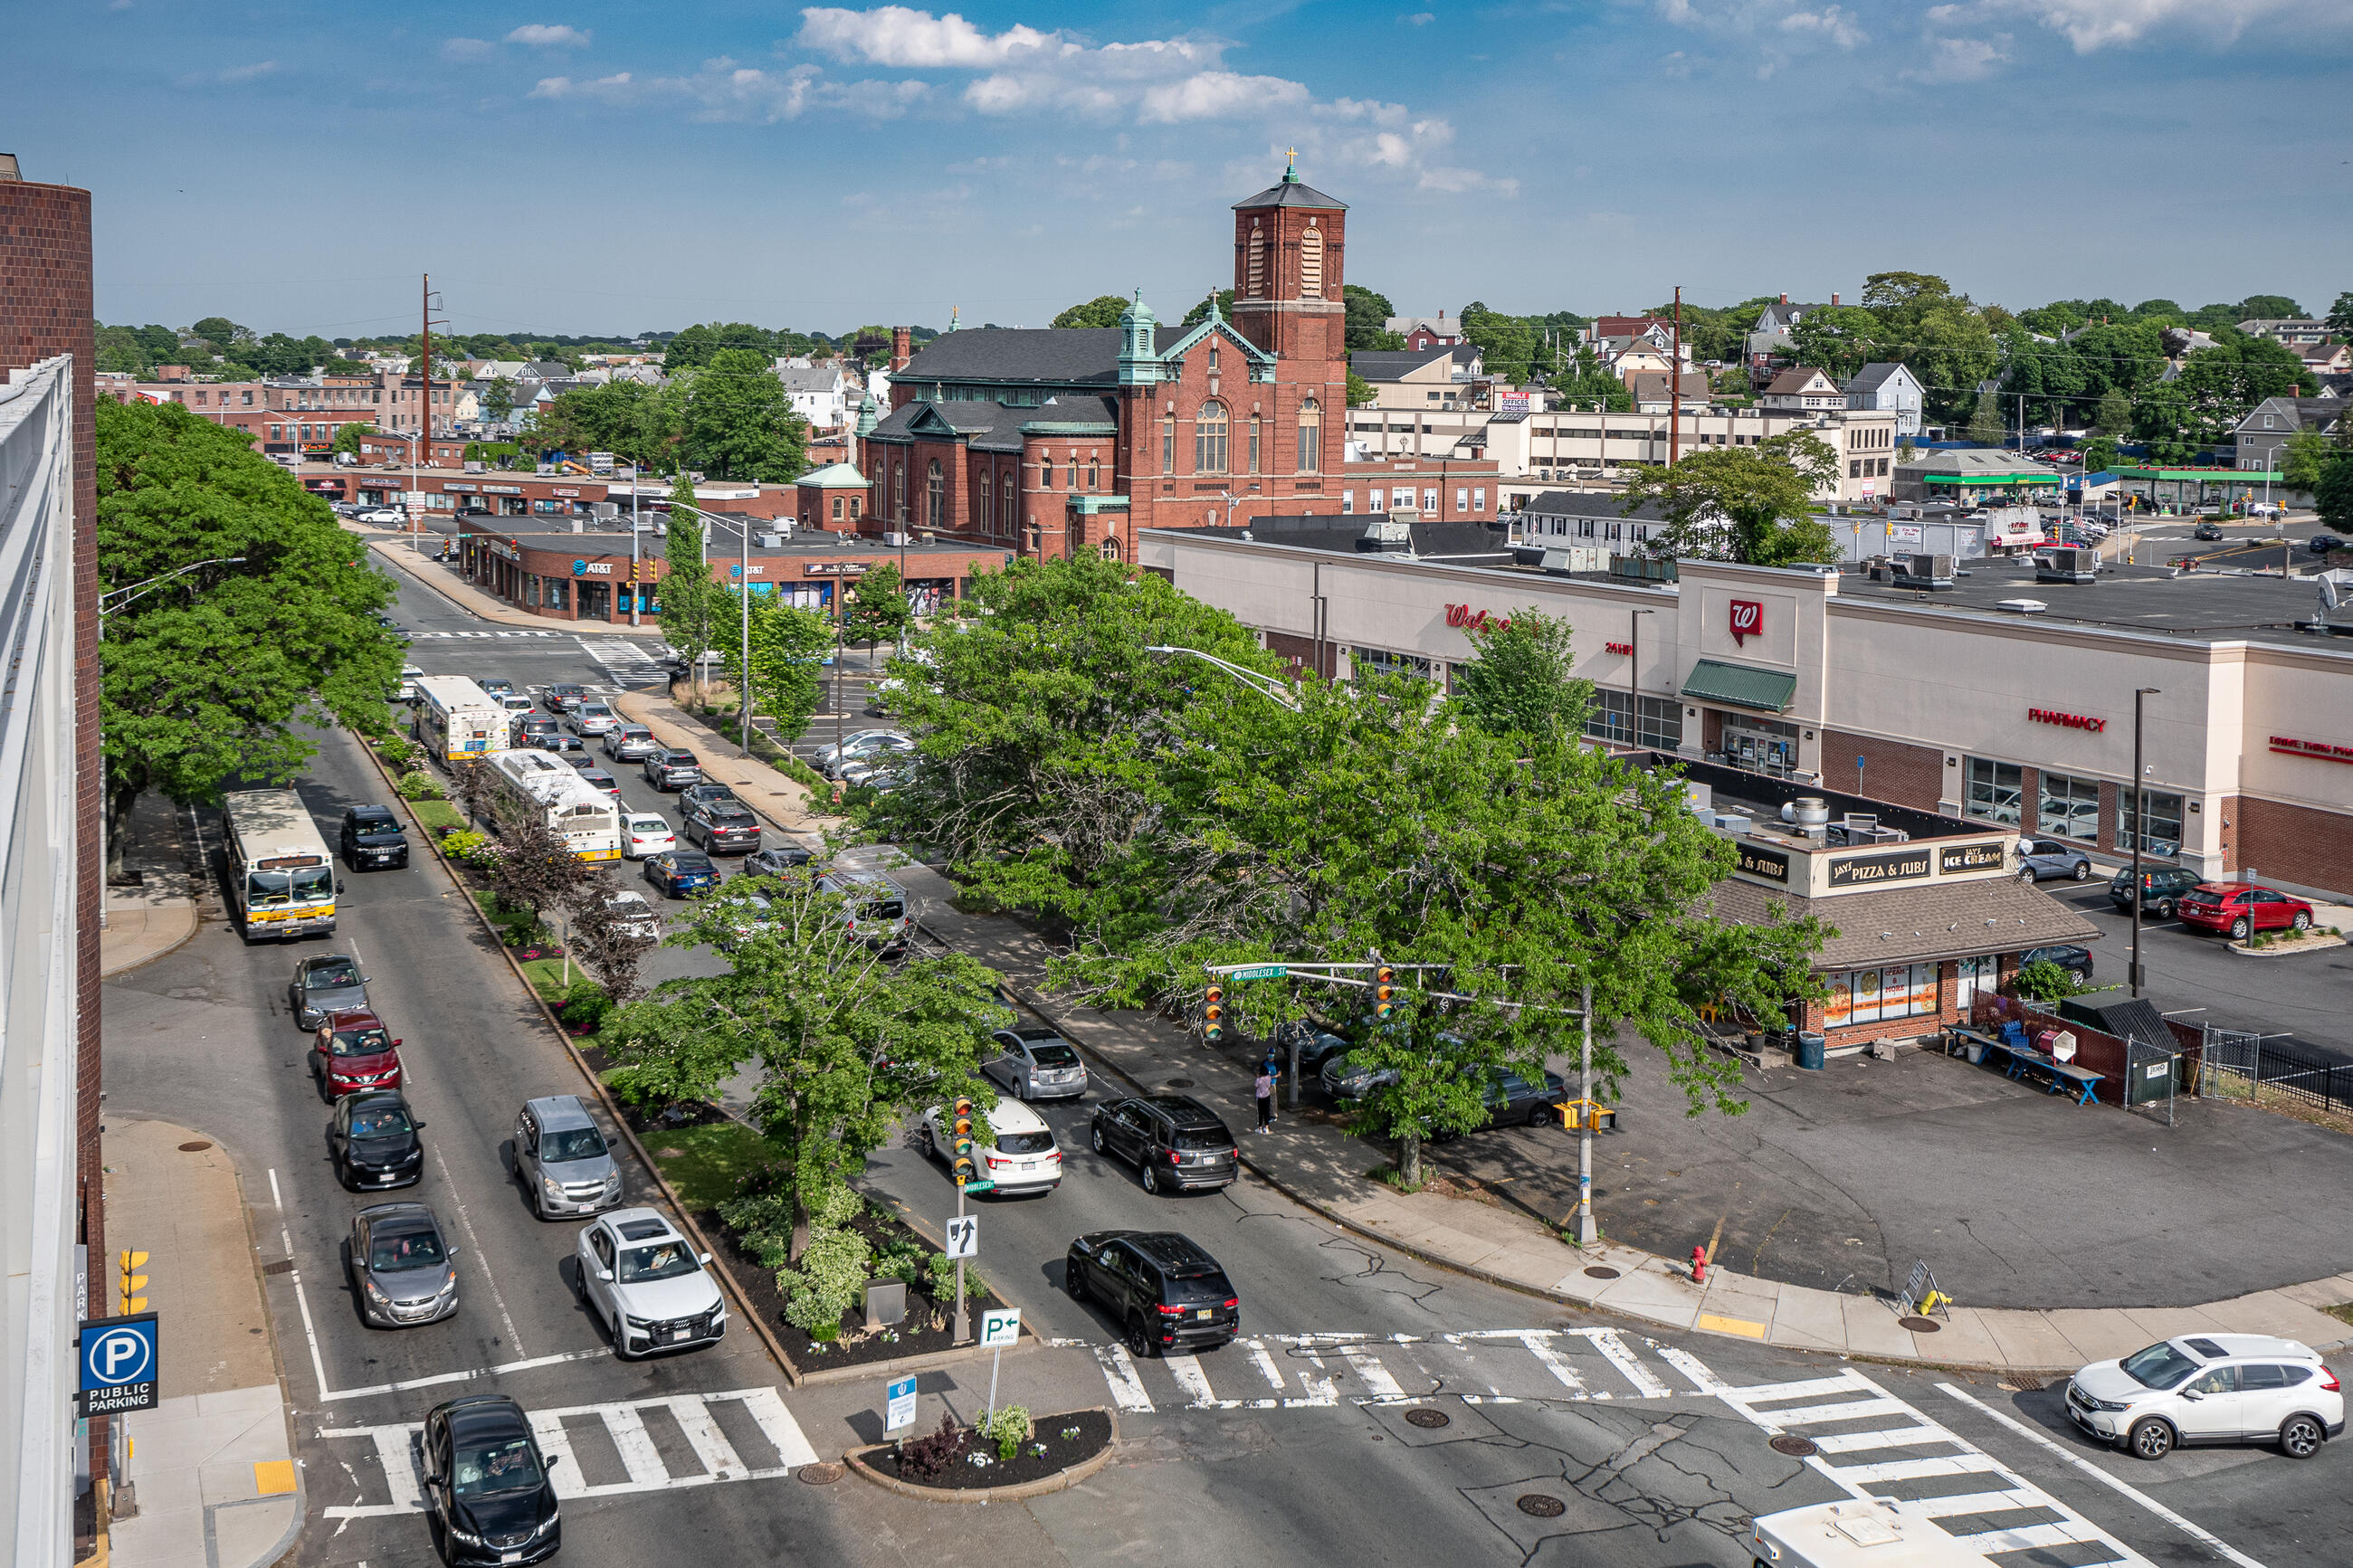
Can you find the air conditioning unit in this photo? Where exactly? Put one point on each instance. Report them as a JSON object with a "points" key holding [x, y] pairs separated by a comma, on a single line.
{"points": [[1921, 571]]}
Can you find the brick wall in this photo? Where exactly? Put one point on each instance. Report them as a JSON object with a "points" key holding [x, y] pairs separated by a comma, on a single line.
{"points": [[46, 310], [1892, 770], [2286, 843], [1301, 652]]}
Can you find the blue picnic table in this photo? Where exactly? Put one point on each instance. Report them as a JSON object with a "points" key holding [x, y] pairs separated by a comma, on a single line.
{"points": [[2064, 1077]]}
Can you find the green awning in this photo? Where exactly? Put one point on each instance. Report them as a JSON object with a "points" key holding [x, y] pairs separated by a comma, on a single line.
{"points": [[1741, 684]]}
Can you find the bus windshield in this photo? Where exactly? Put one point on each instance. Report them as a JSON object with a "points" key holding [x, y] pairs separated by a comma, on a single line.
{"points": [[295, 885]]}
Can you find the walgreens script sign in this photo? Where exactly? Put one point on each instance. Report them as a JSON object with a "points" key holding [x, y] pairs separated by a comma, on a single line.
{"points": [[1747, 620]]}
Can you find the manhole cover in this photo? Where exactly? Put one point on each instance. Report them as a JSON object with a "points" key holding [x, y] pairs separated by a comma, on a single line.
{"points": [[1789, 1443], [1539, 1505], [1429, 1418], [824, 1473], [1920, 1325], [1601, 1271], [195, 1147], [1178, 1083], [2017, 1385]]}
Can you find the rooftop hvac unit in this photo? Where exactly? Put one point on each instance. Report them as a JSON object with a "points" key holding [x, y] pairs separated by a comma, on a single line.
{"points": [[767, 541], [1917, 569], [2066, 564]]}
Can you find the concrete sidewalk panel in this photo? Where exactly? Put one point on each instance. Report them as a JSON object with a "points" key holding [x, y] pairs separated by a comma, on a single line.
{"points": [[1871, 1329], [2277, 1312], [1651, 1291], [1964, 1340], [2165, 1322], [2029, 1341], [2334, 1290], [1810, 1319], [2100, 1334]]}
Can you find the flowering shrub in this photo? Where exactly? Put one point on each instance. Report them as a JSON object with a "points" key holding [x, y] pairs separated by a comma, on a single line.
{"points": [[1007, 1426], [928, 1458]]}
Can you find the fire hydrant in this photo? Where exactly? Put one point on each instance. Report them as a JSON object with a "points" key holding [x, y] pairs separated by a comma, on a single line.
{"points": [[1699, 1265]]}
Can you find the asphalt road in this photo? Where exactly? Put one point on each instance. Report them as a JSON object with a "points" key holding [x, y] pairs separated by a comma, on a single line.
{"points": [[1293, 1450]]}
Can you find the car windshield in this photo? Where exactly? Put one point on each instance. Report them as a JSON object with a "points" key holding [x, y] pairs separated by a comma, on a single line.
{"points": [[2160, 1366], [359, 1042], [265, 890], [389, 1121], [661, 1260], [383, 824], [881, 909], [1052, 1053], [1024, 1142], [506, 1467], [332, 977], [389, 1253], [572, 1143], [680, 759]]}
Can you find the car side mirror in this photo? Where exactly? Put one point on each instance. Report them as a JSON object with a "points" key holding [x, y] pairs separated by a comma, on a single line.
{"points": [[552, 1460], [396, 1044], [2191, 1394], [420, 1126], [451, 1254], [706, 1258], [604, 1274]]}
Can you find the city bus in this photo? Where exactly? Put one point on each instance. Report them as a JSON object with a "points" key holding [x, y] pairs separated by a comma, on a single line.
{"points": [[583, 816], [282, 881], [1869, 1534], [459, 722]]}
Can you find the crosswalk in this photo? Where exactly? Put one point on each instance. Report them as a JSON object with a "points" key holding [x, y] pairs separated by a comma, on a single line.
{"points": [[1877, 1446], [445, 636], [1327, 1371], [635, 1445], [624, 659]]}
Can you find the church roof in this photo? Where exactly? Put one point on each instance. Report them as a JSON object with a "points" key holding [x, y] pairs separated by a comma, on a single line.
{"points": [[834, 476], [997, 426], [1064, 355], [1291, 193]]}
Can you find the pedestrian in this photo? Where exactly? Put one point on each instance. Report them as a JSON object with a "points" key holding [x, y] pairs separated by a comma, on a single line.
{"points": [[1264, 1084]]}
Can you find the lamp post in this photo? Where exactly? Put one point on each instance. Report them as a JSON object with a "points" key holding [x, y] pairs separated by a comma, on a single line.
{"points": [[1634, 675], [744, 594], [1264, 685], [2140, 831]]}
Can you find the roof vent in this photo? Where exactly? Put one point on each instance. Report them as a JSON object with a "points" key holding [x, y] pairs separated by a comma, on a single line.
{"points": [[2024, 606]]}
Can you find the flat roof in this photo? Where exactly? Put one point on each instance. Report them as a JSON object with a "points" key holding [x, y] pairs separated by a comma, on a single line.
{"points": [[2203, 605], [801, 543]]}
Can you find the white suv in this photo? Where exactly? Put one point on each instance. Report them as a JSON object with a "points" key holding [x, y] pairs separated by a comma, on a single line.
{"points": [[2209, 1389], [649, 1283]]}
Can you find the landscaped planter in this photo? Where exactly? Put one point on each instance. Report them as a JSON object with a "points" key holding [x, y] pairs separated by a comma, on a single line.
{"points": [[2284, 943], [1076, 1445]]}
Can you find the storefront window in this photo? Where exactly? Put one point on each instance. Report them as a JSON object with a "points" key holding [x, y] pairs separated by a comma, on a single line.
{"points": [[1995, 791], [559, 594], [1380, 661], [1875, 995], [1614, 717], [2069, 808], [2164, 837], [1763, 745]]}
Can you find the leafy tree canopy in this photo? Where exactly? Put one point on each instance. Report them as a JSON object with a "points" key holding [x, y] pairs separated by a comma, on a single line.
{"points": [[1103, 310], [1750, 505], [1523, 680], [877, 611], [740, 423], [1368, 318], [789, 645]]}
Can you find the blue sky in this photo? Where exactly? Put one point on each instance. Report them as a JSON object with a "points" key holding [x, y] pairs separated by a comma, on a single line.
{"points": [[604, 167]]}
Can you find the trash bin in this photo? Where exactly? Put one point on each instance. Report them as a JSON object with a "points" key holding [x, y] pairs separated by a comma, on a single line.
{"points": [[1810, 1049]]}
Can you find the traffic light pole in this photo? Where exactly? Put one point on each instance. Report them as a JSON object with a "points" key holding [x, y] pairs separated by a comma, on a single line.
{"points": [[963, 1311], [1586, 1234]]}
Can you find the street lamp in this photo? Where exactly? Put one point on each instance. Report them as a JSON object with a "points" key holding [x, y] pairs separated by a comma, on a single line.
{"points": [[1634, 675], [1264, 685], [2140, 831], [744, 591], [124, 595]]}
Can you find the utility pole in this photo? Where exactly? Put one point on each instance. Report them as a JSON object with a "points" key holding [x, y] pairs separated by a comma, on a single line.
{"points": [[1585, 1233], [637, 589], [744, 669], [2139, 833], [1675, 385], [424, 431]]}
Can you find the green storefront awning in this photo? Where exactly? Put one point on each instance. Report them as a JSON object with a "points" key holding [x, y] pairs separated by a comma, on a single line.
{"points": [[1741, 684]]}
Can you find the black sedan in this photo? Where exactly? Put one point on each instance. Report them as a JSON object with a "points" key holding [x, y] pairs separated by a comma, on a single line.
{"points": [[777, 859], [488, 1490], [374, 1140], [1163, 1291], [2075, 961]]}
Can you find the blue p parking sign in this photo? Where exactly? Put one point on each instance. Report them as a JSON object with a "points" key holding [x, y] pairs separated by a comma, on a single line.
{"points": [[119, 1365]]}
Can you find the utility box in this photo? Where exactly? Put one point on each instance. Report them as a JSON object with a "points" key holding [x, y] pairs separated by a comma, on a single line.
{"points": [[886, 1303]]}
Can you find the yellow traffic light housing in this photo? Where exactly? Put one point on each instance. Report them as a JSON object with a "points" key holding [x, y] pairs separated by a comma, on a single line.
{"points": [[1213, 1014], [962, 1165], [133, 1282], [1384, 991]]}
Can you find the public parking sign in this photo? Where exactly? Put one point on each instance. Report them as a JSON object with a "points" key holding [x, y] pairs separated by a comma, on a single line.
{"points": [[119, 1365], [1000, 1327]]}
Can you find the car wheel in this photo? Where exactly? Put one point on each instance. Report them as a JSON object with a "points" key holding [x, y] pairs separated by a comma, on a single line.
{"points": [[2082, 872], [2300, 1437], [925, 1141], [2301, 922], [1538, 1115], [1139, 1339], [1074, 1281], [1096, 1138], [2240, 928], [1021, 1090], [2164, 907], [1151, 1178], [2028, 876], [2150, 1439]]}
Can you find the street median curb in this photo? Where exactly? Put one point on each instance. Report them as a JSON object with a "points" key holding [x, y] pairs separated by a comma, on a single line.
{"points": [[856, 1460]]}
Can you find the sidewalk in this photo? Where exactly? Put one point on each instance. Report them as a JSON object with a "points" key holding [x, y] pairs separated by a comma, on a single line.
{"points": [[144, 922], [768, 791], [446, 582], [211, 1472]]}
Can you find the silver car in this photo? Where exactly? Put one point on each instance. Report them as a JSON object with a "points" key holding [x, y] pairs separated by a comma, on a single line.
{"points": [[593, 716], [2041, 857], [322, 985], [1037, 1064], [630, 743], [861, 744], [562, 1156], [402, 1271]]}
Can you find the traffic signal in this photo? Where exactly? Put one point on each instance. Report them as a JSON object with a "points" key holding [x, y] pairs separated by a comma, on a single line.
{"points": [[1213, 1014], [133, 1282], [965, 1171], [1384, 991]]}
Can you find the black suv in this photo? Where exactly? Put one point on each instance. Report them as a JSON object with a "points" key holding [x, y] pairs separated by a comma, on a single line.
{"points": [[2161, 888], [1174, 1141], [374, 1142], [487, 1485], [530, 730], [1165, 1293], [372, 837], [723, 827], [672, 769]]}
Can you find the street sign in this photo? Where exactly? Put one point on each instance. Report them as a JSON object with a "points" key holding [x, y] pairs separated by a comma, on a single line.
{"points": [[1260, 972], [978, 1185], [900, 1403], [1000, 1326], [964, 1235], [119, 1365]]}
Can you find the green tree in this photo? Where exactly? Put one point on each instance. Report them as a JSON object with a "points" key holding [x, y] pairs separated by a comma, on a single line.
{"points": [[2269, 307], [1368, 317], [498, 397], [2307, 455], [2114, 416], [225, 337], [1586, 382], [1838, 338], [347, 438], [1751, 504], [1361, 393], [739, 424], [1948, 342], [1103, 310], [848, 1047], [877, 611], [1507, 345], [217, 675], [2334, 495], [2222, 385], [699, 345], [689, 598], [2340, 316], [789, 647], [2099, 454], [1200, 310], [1986, 426], [1521, 680]]}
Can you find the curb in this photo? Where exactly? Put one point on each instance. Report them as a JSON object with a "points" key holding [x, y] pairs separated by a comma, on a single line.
{"points": [[391, 551], [1085, 1468], [196, 924], [2308, 944], [929, 1361]]}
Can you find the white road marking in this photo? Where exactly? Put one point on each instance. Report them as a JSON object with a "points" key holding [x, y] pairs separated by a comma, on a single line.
{"points": [[1551, 1361], [704, 1436], [1646, 1383], [1187, 1371], [2126, 1488], [275, 1201], [1691, 1366], [489, 1275], [1372, 1374], [441, 1377], [1265, 1363], [1126, 1388], [1850, 1411], [395, 1450], [636, 1445]]}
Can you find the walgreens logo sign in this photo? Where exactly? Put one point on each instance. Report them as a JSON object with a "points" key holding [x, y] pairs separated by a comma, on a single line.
{"points": [[2066, 721], [1467, 618]]}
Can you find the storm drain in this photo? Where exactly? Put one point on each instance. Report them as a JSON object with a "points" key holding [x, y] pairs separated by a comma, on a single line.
{"points": [[199, 1147], [1178, 1083], [1433, 1419], [1541, 1505], [1919, 1325], [1797, 1447], [283, 1265], [1601, 1271]]}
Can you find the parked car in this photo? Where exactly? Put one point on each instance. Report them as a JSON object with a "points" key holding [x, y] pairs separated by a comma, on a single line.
{"points": [[858, 744], [1515, 1101], [488, 1490], [746, 914], [404, 1272], [593, 716], [720, 827], [2209, 1389], [1037, 1063], [680, 872], [2241, 909], [560, 1154], [2161, 887], [1023, 1157], [2322, 544], [374, 1140], [1167, 1294], [327, 983], [602, 779], [1344, 1079], [671, 768], [630, 742], [1174, 1141], [384, 516], [2209, 531], [370, 837], [353, 1052], [634, 916], [875, 907], [561, 696], [648, 1284], [778, 859], [644, 834], [2265, 509], [2077, 961], [1317, 1046], [2041, 857]]}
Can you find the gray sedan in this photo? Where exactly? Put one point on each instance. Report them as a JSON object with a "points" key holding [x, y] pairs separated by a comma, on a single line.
{"points": [[322, 984], [2041, 857], [402, 1269]]}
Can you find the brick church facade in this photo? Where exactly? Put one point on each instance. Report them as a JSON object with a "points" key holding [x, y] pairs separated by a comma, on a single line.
{"points": [[1059, 440]]}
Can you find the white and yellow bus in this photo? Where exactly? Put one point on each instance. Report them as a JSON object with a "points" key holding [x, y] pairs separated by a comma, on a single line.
{"points": [[280, 877], [574, 810], [459, 722]]}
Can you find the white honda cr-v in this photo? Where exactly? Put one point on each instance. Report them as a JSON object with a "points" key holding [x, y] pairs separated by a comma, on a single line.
{"points": [[2209, 1389]]}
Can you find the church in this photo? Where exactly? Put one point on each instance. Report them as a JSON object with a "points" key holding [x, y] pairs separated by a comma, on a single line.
{"points": [[1050, 442]]}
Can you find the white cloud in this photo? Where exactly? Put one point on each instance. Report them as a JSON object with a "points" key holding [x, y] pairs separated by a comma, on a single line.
{"points": [[466, 48], [1419, 19], [231, 77], [550, 35], [1961, 59], [1219, 95], [900, 37], [1830, 22], [725, 90], [2092, 25]]}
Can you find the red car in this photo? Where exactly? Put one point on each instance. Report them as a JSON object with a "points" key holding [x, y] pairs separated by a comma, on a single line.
{"points": [[353, 1052], [2241, 909]]}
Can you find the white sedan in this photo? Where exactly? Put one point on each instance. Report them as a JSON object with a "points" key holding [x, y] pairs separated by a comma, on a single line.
{"points": [[389, 515], [645, 834], [649, 1283]]}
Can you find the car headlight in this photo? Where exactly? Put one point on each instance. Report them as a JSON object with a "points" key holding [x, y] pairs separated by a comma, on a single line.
{"points": [[375, 1292], [550, 1185], [466, 1537]]}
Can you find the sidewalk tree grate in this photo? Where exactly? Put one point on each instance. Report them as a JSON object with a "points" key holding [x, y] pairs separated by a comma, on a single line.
{"points": [[1433, 1419], [1601, 1271], [1541, 1505], [1797, 1447], [1919, 1325], [197, 1147]]}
